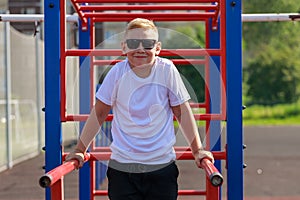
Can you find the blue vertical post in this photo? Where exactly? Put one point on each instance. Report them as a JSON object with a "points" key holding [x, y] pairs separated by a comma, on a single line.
{"points": [[84, 96], [215, 93], [234, 99], [53, 134]]}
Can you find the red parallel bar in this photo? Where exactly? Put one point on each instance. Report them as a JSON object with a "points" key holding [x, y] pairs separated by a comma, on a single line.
{"points": [[212, 173], [57, 173], [156, 16], [175, 61], [164, 52], [180, 155], [180, 192], [148, 7], [145, 1]]}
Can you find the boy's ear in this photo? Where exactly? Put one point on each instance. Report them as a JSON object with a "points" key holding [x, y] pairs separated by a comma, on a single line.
{"points": [[158, 48], [123, 46]]}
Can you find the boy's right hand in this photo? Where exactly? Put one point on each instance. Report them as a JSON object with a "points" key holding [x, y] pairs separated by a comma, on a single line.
{"points": [[76, 155]]}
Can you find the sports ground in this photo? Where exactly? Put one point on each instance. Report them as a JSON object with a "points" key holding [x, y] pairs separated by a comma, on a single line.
{"points": [[272, 157]]}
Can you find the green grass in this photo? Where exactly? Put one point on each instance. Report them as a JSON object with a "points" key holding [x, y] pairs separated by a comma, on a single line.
{"points": [[285, 114]]}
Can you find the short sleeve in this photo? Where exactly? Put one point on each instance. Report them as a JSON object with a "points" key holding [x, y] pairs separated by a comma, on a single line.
{"points": [[178, 93], [105, 92]]}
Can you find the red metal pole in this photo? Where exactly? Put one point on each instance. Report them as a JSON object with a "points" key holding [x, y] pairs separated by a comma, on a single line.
{"points": [[164, 52], [51, 177], [149, 7], [63, 60], [175, 61], [145, 1]]}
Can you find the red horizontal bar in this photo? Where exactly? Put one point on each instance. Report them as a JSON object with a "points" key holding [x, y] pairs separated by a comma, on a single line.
{"points": [[156, 16], [147, 7], [164, 52], [55, 174], [145, 1], [84, 117], [212, 172], [180, 192], [175, 61], [180, 155], [209, 117], [198, 105], [191, 192]]}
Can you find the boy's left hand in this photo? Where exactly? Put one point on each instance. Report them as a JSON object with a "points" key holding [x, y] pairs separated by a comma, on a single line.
{"points": [[199, 155]]}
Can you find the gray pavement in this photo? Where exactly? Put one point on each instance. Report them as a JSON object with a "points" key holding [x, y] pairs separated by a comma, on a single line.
{"points": [[272, 157]]}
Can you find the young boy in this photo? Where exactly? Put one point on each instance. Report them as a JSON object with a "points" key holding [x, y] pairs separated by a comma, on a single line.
{"points": [[145, 92]]}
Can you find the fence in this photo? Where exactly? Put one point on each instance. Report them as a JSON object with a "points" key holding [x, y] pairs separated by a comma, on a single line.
{"points": [[22, 91]]}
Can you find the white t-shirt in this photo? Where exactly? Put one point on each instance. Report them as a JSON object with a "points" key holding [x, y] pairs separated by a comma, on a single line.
{"points": [[142, 127]]}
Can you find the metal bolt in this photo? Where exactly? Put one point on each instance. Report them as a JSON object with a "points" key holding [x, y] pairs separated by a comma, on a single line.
{"points": [[51, 5], [233, 3]]}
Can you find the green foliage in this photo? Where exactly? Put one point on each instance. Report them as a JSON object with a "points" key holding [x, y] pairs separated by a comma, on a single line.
{"points": [[190, 37], [271, 55], [272, 83], [282, 114]]}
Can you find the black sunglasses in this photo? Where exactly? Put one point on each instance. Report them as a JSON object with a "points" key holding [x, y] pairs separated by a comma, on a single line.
{"points": [[147, 44]]}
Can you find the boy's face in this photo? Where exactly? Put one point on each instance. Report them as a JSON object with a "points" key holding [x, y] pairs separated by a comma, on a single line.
{"points": [[141, 46]]}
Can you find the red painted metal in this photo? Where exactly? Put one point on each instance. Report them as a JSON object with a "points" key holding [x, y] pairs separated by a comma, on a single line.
{"points": [[164, 52], [175, 61], [179, 16], [63, 61], [92, 9], [57, 190], [51, 177], [148, 7], [145, 1], [83, 117], [180, 192]]}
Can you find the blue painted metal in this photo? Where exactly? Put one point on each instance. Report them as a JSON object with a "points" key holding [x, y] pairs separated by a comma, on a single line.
{"points": [[234, 100], [84, 107], [215, 94], [53, 134]]}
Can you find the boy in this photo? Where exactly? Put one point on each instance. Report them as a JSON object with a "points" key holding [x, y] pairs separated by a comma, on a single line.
{"points": [[145, 92]]}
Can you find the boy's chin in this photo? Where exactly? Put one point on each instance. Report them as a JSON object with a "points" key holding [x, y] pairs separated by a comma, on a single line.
{"points": [[144, 65]]}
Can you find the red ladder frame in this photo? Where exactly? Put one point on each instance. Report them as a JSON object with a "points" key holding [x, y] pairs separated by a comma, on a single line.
{"points": [[209, 9]]}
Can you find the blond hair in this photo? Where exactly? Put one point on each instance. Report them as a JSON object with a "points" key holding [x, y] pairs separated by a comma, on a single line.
{"points": [[141, 23]]}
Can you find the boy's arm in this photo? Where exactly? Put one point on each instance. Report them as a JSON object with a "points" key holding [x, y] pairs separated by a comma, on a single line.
{"points": [[185, 117], [95, 120]]}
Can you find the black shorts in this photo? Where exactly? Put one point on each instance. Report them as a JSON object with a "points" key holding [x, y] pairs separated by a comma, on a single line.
{"points": [[158, 183]]}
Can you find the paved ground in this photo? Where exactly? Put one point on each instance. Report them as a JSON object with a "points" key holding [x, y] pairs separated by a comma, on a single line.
{"points": [[272, 157]]}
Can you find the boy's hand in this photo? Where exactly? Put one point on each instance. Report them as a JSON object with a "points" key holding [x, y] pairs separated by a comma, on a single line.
{"points": [[200, 154], [76, 155]]}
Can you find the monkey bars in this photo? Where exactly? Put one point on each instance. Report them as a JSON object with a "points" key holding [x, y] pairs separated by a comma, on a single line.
{"points": [[223, 88]]}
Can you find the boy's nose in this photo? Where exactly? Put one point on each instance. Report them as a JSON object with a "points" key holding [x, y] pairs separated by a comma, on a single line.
{"points": [[140, 47]]}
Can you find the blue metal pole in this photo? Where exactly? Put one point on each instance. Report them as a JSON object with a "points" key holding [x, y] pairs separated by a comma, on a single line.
{"points": [[215, 94], [84, 91], [53, 134], [234, 99]]}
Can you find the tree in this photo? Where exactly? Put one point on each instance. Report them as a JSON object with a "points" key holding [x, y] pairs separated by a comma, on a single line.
{"points": [[271, 63], [190, 37]]}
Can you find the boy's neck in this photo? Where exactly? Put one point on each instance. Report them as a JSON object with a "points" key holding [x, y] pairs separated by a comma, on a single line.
{"points": [[142, 71]]}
